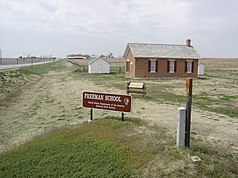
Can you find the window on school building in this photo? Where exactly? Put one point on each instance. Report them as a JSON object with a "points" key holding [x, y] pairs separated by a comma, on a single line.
{"points": [[171, 66], [152, 65], [189, 66]]}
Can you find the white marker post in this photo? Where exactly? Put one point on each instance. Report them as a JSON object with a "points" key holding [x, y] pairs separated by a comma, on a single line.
{"points": [[181, 128]]}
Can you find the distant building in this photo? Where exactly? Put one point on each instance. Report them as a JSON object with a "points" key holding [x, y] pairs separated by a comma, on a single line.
{"points": [[78, 56], [143, 60], [99, 65], [93, 56]]}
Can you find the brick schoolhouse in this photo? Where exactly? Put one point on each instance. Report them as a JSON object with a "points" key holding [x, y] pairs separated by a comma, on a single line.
{"points": [[145, 60]]}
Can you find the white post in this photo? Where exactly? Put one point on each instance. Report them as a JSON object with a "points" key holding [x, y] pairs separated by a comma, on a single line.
{"points": [[181, 128], [131, 69]]}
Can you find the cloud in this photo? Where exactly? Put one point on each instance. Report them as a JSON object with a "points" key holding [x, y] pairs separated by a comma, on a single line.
{"points": [[48, 6], [24, 14], [122, 21], [100, 17]]}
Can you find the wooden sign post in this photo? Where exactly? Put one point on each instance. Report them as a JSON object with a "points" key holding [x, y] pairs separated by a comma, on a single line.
{"points": [[189, 85]]}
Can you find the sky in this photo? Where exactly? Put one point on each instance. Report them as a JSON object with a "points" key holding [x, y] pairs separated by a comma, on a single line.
{"points": [[62, 27]]}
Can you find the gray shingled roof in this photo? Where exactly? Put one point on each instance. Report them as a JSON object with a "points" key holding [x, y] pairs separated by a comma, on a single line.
{"points": [[97, 58], [161, 51]]}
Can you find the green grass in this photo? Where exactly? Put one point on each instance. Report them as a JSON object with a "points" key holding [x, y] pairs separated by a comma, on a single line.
{"points": [[111, 148], [117, 70], [85, 152], [218, 103], [41, 69], [80, 157], [217, 161], [10, 80], [222, 74]]}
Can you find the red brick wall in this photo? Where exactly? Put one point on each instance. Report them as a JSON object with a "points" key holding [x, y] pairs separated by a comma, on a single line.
{"points": [[131, 59], [141, 69]]}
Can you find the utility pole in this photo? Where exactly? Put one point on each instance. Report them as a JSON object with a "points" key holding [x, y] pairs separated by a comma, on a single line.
{"points": [[23, 57], [1, 57]]}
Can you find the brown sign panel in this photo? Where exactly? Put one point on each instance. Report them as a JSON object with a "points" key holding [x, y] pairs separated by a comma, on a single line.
{"points": [[107, 101]]}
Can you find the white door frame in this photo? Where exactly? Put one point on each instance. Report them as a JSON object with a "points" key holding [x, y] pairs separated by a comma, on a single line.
{"points": [[131, 69]]}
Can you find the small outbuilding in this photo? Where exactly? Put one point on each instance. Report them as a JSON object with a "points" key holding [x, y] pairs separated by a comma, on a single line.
{"points": [[99, 66], [201, 69]]}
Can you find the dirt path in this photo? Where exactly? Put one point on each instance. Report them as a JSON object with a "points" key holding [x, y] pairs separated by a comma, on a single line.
{"points": [[51, 101], [54, 100]]}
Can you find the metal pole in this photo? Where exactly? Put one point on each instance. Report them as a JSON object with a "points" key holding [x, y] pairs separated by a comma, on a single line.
{"points": [[31, 62], [122, 116], [188, 112], [1, 56], [91, 114]]}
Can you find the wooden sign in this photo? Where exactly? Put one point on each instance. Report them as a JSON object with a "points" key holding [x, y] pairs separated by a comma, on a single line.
{"points": [[107, 101]]}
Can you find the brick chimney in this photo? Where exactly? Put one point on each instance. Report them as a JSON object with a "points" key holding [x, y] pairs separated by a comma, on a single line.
{"points": [[188, 42]]}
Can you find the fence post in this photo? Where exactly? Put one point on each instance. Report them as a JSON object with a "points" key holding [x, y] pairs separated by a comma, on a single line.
{"points": [[180, 142]]}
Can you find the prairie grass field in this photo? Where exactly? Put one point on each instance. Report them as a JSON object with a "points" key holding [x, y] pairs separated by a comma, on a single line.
{"points": [[44, 130]]}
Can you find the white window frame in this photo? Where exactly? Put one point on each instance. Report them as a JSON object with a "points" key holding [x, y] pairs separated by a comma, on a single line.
{"points": [[189, 66], [171, 65], [153, 65]]}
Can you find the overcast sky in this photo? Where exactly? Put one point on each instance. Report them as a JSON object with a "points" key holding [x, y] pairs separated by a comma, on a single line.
{"points": [[61, 27]]}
